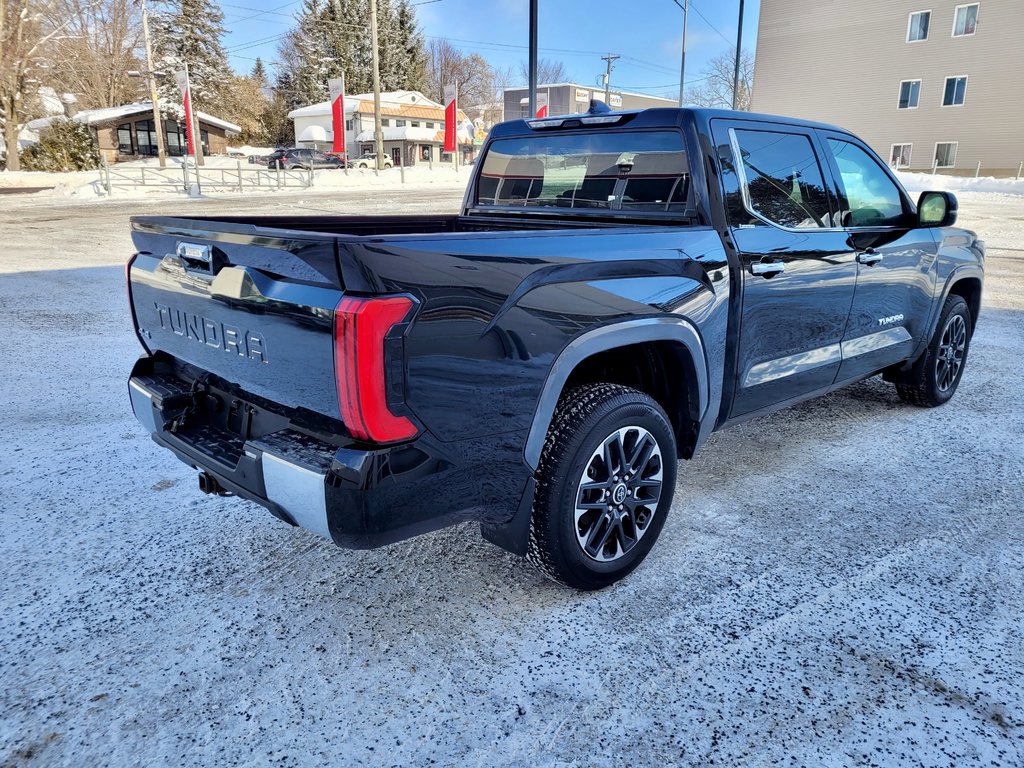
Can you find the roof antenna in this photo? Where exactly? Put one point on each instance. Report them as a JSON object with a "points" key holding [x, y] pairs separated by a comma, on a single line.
{"points": [[598, 107]]}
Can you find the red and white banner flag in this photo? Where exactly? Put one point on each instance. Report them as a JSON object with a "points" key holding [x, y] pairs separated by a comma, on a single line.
{"points": [[542, 104], [186, 101], [337, 89], [451, 117]]}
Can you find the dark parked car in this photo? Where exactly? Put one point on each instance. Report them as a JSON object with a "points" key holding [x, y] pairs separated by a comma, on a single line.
{"points": [[617, 287], [291, 159]]}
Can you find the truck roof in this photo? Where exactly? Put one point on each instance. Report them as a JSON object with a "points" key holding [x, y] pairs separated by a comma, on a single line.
{"points": [[656, 117]]}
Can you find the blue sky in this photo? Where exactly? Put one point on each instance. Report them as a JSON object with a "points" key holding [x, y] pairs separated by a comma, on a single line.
{"points": [[646, 33]]}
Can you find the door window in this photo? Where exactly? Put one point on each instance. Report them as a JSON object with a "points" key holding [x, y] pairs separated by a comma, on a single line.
{"points": [[782, 180], [872, 196]]}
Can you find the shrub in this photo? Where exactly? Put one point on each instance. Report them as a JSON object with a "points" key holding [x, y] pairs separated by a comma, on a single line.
{"points": [[63, 146]]}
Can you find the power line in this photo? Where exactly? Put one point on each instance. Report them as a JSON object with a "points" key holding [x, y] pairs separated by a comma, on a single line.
{"points": [[716, 29]]}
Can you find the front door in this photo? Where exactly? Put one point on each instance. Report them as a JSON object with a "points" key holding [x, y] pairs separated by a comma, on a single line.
{"points": [[896, 260], [798, 268], [396, 156]]}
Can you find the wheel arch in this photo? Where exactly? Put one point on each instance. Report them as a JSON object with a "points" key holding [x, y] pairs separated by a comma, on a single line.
{"points": [[649, 354], [968, 287]]}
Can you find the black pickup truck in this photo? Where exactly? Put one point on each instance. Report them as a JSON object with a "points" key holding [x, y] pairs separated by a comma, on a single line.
{"points": [[616, 287]]}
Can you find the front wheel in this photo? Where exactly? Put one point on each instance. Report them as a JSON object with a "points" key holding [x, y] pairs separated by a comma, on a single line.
{"points": [[936, 375], [604, 485]]}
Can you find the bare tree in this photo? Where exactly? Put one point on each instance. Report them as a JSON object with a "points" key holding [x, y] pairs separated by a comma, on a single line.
{"points": [[447, 65], [27, 27], [548, 71], [93, 58], [714, 88]]}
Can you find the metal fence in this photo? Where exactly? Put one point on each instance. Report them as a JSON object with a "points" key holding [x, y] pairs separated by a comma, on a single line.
{"points": [[238, 179]]}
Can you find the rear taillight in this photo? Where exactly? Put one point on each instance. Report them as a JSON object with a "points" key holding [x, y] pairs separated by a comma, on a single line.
{"points": [[361, 327]]}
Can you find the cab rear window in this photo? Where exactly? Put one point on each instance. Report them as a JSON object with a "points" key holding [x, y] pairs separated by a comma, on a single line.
{"points": [[613, 171]]}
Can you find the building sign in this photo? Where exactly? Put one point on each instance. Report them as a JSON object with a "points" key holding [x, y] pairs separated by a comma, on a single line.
{"points": [[582, 94], [615, 100]]}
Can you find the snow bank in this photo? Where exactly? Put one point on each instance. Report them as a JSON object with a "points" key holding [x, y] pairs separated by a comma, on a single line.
{"points": [[919, 182]]}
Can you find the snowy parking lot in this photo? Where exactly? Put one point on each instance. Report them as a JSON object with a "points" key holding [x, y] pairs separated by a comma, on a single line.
{"points": [[841, 583]]}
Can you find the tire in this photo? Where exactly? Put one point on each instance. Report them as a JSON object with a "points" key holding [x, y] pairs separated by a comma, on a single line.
{"points": [[935, 376], [589, 538]]}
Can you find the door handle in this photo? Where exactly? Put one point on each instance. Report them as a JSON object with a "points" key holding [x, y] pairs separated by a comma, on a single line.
{"points": [[869, 257], [767, 269]]}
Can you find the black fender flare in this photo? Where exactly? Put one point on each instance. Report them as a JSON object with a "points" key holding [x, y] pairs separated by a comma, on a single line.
{"points": [[627, 333]]}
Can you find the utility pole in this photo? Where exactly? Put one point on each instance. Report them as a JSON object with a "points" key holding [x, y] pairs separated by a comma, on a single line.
{"points": [[158, 122], [736, 70], [532, 97], [682, 56], [608, 76], [377, 128]]}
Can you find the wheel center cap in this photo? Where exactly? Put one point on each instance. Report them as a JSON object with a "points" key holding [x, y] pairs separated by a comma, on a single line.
{"points": [[619, 494]]}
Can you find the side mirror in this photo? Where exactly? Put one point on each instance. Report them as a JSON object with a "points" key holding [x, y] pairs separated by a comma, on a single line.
{"points": [[936, 209]]}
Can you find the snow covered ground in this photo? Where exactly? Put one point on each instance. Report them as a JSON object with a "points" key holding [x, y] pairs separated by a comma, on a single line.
{"points": [[841, 583]]}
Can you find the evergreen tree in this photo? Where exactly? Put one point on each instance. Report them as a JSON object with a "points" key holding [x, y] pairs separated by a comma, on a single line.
{"points": [[333, 37], [191, 31], [259, 73]]}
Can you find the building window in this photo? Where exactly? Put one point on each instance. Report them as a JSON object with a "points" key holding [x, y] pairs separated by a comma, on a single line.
{"points": [[348, 125], [918, 28], [430, 125], [965, 20], [384, 122], [945, 154], [124, 139], [956, 89], [146, 136], [910, 94], [400, 123], [899, 156], [415, 124]]}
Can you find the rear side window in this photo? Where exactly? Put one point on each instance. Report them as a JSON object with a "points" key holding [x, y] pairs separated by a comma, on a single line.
{"points": [[873, 199], [635, 171], [782, 180]]}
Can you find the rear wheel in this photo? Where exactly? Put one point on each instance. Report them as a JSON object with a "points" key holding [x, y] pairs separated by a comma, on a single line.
{"points": [[936, 375], [605, 484]]}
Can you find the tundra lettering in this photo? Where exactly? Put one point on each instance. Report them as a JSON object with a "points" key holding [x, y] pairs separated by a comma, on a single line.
{"points": [[195, 327]]}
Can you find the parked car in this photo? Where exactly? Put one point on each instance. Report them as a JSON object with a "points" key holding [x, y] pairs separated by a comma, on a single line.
{"points": [[235, 152], [617, 287], [265, 159], [369, 160], [292, 159]]}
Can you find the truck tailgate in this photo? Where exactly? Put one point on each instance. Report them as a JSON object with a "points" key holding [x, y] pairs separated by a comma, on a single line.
{"points": [[254, 307]]}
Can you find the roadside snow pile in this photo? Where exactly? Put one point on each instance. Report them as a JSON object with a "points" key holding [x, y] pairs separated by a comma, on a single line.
{"points": [[919, 182]]}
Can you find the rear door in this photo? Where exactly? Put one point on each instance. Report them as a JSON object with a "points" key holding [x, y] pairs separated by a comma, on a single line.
{"points": [[798, 269], [896, 259]]}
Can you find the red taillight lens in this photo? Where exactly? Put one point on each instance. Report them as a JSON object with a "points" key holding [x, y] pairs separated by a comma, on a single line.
{"points": [[360, 327]]}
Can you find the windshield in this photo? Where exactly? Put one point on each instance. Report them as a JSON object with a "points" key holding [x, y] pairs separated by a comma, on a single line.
{"points": [[614, 170]]}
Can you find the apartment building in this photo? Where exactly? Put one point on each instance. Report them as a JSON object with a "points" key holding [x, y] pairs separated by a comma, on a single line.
{"points": [[927, 83], [573, 98]]}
